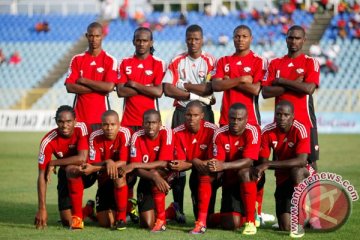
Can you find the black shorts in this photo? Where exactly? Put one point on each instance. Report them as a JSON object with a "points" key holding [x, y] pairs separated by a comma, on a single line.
{"points": [[283, 195], [144, 195], [105, 198], [314, 146], [231, 199], [179, 115], [261, 183], [64, 201]]}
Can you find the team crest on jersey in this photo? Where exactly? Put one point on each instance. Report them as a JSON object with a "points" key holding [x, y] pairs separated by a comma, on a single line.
{"points": [[100, 69], [133, 151], [156, 148], [290, 144], [247, 69], [241, 148], [60, 154], [101, 150], [72, 146], [202, 74], [203, 146], [41, 158], [236, 143], [300, 70], [148, 72], [92, 154]]}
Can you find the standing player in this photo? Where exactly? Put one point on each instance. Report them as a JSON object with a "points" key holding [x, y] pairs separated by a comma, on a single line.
{"points": [[294, 77], [240, 76], [140, 86], [140, 79], [192, 142], [69, 144], [187, 79], [92, 76], [236, 146], [109, 146], [290, 143], [153, 143]]}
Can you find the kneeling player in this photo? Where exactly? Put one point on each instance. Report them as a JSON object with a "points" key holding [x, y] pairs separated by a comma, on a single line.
{"points": [[152, 145], [69, 144], [290, 144], [236, 146]]}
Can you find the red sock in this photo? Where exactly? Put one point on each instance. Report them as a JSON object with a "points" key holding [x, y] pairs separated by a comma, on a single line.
{"points": [[170, 212], [76, 190], [130, 195], [159, 200], [248, 196], [87, 211], [259, 199], [204, 194], [121, 199]]}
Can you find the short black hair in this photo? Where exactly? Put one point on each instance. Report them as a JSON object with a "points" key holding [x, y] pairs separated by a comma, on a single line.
{"points": [[109, 113], [152, 49], [150, 112], [296, 28], [94, 25], [237, 106], [195, 103], [285, 103], [194, 28], [242, 27], [64, 108]]}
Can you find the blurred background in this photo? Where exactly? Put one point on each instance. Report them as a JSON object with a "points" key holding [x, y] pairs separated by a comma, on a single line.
{"points": [[39, 37]]}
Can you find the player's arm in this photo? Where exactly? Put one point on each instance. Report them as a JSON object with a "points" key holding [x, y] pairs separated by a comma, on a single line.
{"points": [[250, 88], [124, 91], [148, 90], [218, 166], [203, 89], [180, 165], [272, 91], [299, 161], [41, 215], [172, 91], [297, 86], [155, 177], [77, 88], [78, 159], [97, 86], [227, 83]]}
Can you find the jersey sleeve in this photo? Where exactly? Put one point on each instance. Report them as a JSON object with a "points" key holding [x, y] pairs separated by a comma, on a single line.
{"points": [[312, 74], [171, 75], [270, 75], [112, 71], [179, 149], [303, 145], [159, 70], [265, 148], [219, 69], [252, 145], [260, 70], [82, 131], [122, 72], [218, 148], [94, 152], [166, 145], [135, 151], [45, 154], [73, 72], [124, 144]]}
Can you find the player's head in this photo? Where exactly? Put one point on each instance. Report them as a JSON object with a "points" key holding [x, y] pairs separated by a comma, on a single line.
{"points": [[238, 117], [242, 38], [194, 113], [194, 39], [110, 124], [94, 35], [143, 41], [284, 115], [151, 123], [295, 39], [65, 120]]}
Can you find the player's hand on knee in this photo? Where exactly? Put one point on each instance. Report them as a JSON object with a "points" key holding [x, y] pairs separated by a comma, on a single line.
{"points": [[111, 169], [215, 165], [40, 221], [161, 184]]}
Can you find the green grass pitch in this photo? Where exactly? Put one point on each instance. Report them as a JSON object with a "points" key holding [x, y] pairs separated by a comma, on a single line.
{"points": [[18, 196]]}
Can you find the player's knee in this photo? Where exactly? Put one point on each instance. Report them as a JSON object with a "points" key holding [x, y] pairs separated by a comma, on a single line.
{"points": [[119, 182]]}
